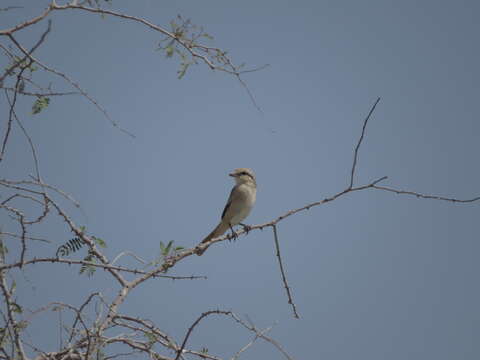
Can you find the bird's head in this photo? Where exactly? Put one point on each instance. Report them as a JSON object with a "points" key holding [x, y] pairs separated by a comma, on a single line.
{"points": [[243, 176]]}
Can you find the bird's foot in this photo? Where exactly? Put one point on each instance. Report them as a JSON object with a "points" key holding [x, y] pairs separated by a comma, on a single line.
{"points": [[246, 228], [233, 235]]}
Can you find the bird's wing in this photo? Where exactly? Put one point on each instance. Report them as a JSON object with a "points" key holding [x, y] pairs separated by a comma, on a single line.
{"points": [[229, 202]]}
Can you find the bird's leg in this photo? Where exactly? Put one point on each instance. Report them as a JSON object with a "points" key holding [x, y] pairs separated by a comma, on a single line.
{"points": [[246, 228], [234, 234]]}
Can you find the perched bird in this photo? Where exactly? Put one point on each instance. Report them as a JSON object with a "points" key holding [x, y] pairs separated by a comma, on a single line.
{"points": [[239, 204]]}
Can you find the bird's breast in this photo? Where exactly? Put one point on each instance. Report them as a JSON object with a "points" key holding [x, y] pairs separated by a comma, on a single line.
{"points": [[244, 204]]}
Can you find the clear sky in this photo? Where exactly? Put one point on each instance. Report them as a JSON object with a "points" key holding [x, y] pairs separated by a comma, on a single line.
{"points": [[374, 275]]}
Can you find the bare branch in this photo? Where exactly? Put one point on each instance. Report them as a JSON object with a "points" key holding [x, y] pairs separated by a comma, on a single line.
{"points": [[282, 271], [52, 260], [26, 237], [79, 313], [355, 156], [252, 328], [425, 196], [195, 323], [263, 332], [44, 93], [26, 23]]}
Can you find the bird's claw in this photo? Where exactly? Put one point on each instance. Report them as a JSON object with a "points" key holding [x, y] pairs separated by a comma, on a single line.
{"points": [[233, 235], [246, 228]]}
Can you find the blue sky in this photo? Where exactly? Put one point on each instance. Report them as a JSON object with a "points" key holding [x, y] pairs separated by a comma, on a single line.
{"points": [[374, 275]]}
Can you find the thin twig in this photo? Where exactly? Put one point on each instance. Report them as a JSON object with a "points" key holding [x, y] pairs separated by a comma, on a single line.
{"points": [[52, 260], [425, 196], [79, 313], [355, 156], [26, 237], [263, 332], [252, 328], [42, 94], [195, 323], [123, 253], [26, 23], [282, 271]]}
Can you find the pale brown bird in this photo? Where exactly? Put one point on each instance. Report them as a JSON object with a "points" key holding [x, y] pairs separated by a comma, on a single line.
{"points": [[239, 204]]}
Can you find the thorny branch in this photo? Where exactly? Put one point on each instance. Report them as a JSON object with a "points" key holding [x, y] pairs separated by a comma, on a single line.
{"points": [[282, 271]]}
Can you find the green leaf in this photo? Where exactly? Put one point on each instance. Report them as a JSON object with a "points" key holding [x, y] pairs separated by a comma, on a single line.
{"points": [[164, 250], [88, 269], [3, 250], [183, 69], [151, 338], [21, 325], [17, 308], [99, 242], [40, 104], [169, 51]]}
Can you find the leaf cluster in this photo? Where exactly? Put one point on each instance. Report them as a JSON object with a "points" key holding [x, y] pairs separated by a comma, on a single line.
{"points": [[185, 35]]}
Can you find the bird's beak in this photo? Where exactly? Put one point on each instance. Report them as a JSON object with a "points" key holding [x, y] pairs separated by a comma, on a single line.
{"points": [[231, 174]]}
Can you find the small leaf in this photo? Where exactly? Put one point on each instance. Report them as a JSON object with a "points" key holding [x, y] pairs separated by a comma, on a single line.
{"points": [[169, 51], [17, 308], [21, 325], [164, 251], [88, 269], [151, 338], [40, 104], [3, 250], [183, 69], [99, 242]]}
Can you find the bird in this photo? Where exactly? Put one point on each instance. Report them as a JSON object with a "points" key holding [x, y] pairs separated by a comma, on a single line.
{"points": [[239, 204]]}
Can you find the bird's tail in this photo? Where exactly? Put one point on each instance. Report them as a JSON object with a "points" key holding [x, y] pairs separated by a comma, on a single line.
{"points": [[218, 231]]}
